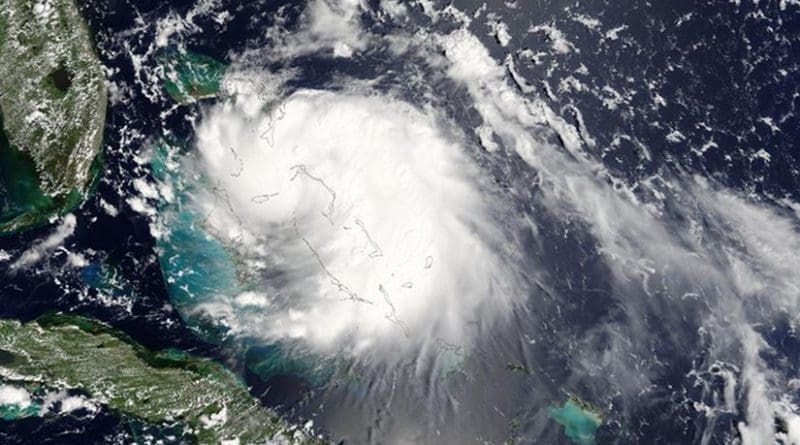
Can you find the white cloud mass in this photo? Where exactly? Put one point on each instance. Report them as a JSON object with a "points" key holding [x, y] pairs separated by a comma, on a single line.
{"points": [[370, 209]]}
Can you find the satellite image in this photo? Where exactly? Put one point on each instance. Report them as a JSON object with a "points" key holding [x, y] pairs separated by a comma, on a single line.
{"points": [[400, 222]]}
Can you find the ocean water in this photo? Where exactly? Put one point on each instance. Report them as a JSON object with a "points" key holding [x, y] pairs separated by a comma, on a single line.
{"points": [[20, 195], [580, 424], [643, 156]]}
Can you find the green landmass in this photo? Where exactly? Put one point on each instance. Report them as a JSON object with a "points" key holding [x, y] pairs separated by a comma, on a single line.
{"points": [[580, 420], [189, 76], [22, 201], [212, 405], [52, 107]]}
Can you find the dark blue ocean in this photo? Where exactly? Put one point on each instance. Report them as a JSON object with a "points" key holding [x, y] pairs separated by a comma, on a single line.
{"points": [[729, 75]]}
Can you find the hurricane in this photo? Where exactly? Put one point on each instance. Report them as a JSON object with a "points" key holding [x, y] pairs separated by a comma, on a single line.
{"points": [[430, 222]]}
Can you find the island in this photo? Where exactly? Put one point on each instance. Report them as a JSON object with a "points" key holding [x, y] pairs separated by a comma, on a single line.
{"points": [[189, 76], [579, 419], [73, 352]]}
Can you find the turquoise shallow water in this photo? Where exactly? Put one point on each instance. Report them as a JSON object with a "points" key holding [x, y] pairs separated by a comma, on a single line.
{"points": [[269, 360], [199, 269], [191, 75], [580, 425], [196, 266], [22, 202], [11, 412]]}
